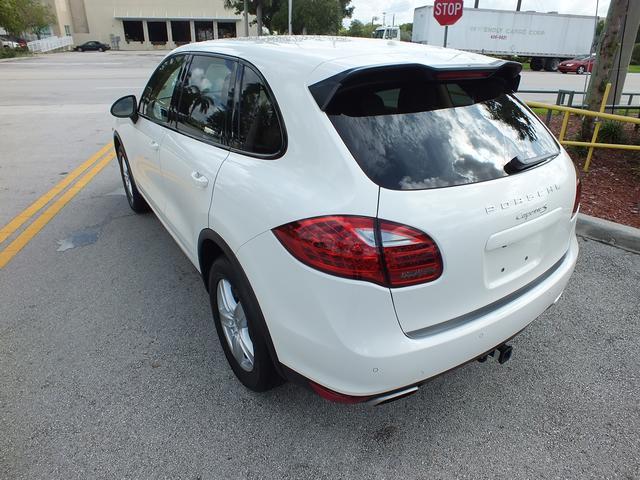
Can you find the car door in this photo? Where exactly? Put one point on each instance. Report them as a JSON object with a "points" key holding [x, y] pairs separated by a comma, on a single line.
{"points": [[249, 175], [149, 131], [192, 154]]}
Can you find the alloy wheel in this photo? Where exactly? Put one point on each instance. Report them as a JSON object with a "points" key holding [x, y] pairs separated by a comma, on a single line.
{"points": [[234, 325], [127, 178]]}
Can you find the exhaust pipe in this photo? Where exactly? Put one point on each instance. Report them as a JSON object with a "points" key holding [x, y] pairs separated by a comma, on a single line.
{"points": [[390, 397]]}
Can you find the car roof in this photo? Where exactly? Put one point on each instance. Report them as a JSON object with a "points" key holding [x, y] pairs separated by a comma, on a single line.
{"points": [[319, 57]]}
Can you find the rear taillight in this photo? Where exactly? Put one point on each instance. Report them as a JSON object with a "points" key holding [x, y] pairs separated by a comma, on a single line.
{"points": [[363, 248], [576, 202]]}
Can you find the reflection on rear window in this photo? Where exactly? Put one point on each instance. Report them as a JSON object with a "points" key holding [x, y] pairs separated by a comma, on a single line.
{"points": [[412, 136]]}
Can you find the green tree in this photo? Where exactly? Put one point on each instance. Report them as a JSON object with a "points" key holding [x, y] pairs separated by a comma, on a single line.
{"points": [[10, 17], [18, 16], [262, 9], [356, 29], [313, 17], [38, 16], [359, 29], [406, 31]]}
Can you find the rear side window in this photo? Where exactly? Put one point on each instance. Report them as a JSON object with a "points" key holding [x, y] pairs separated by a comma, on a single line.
{"points": [[156, 99], [257, 124], [205, 99], [415, 134]]}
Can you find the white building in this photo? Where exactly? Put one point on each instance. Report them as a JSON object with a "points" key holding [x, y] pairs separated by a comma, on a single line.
{"points": [[146, 24]]}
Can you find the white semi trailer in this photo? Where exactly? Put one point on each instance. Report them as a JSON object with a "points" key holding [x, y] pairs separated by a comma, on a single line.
{"points": [[545, 38]]}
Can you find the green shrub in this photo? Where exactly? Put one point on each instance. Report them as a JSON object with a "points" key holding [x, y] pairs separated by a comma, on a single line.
{"points": [[611, 132], [7, 53], [576, 151], [635, 56]]}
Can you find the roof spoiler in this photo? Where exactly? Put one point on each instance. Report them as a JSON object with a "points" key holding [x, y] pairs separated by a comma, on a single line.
{"points": [[324, 91]]}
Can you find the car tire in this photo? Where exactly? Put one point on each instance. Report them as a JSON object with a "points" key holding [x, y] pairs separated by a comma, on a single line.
{"points": [[101, 49], [580, 70], [551, 64], [239, 322], [137, 203], [536, 64], [80, 49]]}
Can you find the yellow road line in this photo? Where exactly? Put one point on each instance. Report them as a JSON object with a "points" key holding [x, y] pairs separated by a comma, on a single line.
{"points": [[32, 230], [32, 209]]}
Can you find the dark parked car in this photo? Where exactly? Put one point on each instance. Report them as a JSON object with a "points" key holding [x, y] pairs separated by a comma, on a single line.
{"points": [[92, 45], [578, 65]]}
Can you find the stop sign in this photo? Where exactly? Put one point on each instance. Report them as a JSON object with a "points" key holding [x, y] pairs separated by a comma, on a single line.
{"points": [[447, 12]]}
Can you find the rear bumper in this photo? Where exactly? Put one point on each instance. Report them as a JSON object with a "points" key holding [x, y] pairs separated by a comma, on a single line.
{"points": [[344, 336]]}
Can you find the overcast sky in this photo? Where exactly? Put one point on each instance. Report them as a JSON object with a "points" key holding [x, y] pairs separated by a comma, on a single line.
{"points": [[366, 9]]}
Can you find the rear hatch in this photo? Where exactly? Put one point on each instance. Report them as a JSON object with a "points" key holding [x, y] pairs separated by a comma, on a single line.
{"points": [[459, 157]]}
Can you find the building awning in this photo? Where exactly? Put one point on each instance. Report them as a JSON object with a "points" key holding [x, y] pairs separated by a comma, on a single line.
{"points": [[177, 18]]}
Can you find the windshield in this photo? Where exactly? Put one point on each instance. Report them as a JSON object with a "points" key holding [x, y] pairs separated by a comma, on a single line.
{"points": [[417, 136]]}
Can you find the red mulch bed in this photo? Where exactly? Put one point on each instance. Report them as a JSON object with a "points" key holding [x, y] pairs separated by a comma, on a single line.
{"points": [[611, 188]]}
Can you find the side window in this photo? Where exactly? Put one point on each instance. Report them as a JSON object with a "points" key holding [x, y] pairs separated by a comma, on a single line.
{"points": [[258, 127], [156, 99], [205, 98]]}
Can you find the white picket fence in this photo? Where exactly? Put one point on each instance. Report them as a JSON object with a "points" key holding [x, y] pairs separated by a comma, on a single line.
{"points": [[50, 43]]}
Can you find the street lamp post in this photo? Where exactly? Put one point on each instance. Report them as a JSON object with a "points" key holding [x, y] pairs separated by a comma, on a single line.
{"points": [[290, 9]]}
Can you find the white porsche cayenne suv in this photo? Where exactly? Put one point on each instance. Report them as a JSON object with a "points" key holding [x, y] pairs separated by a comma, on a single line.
{"points": [[365, 214]]}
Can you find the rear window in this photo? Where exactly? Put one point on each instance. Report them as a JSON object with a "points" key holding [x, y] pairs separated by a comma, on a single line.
{"points": [[412, 135]]}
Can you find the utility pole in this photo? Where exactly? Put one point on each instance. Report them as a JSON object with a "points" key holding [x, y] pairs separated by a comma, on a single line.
{"points": [[290, 10], [475, 5], [519, 5]]}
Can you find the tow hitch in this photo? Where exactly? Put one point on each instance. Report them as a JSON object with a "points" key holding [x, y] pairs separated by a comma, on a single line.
{"points": [[504, 354]]}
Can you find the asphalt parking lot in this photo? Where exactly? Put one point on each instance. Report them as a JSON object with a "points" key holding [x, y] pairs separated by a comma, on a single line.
{"points": [[110, 366]]}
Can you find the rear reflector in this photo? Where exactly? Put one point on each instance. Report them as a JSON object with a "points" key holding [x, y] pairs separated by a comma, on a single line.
{"points": [[335, 396], [576, 202], [363, 248]]}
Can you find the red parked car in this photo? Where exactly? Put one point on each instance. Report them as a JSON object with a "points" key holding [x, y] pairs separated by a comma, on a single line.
{"points": [[578, 65]]}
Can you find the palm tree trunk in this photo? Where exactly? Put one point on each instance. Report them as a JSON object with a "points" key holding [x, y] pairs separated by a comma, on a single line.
{"points": [[259, 16], [603, 66]]}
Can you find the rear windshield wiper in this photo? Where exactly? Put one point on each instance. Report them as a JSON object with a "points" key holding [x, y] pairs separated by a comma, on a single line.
{"points": [[516, 165]]}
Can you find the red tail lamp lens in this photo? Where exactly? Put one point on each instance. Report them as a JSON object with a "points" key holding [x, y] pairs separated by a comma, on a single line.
{"points": [[362, 248], [411, 256]]}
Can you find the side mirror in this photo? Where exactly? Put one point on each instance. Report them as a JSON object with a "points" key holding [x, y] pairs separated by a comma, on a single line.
{"points": [[126, 107]]}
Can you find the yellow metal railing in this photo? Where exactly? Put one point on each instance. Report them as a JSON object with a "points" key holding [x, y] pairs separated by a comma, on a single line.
{"points": [[600, 115]]}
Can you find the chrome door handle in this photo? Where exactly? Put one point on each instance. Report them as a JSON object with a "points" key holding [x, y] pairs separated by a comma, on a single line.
{"points": [[154, 145], [199, 179]]}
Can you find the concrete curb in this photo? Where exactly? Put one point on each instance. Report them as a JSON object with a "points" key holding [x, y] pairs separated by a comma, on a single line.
{"points": [[627, 238], [17, 59]]}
